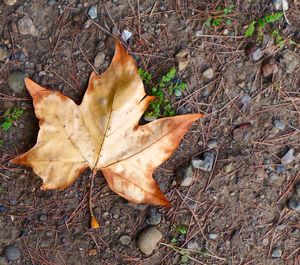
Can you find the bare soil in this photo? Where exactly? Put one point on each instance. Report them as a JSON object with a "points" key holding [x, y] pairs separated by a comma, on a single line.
{"points": [[244, 203]]}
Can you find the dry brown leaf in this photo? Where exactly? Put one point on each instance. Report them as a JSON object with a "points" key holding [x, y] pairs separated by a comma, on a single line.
{"points": [[102, 133]]}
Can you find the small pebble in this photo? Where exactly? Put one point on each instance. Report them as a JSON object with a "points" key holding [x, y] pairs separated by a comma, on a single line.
{"points": [[12, 253], [193, 244], [257, 54], [126, 35], [3, 209], [245, 99], [3, 53], [93, 12], [212, 143], [276, 253], [294, 204], [279, 124], [280, 169], [153, 216], [26, 26], [43, 217], [291, 60], [208, 73], [269, 67], [148, 239], [227, 168], [212, 235], [281, 4], [125, 239], [297, 189], [182, 58], [288, 157], [16, 81], [206, 164], [185, 175], [273, 176], [99, 59], [9, 2]]}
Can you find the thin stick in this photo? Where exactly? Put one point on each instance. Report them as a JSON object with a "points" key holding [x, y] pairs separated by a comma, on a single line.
{"points": [[94, 222]]}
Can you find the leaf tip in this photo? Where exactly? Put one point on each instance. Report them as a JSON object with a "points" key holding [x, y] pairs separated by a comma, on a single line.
{"points": [[94, 223]]}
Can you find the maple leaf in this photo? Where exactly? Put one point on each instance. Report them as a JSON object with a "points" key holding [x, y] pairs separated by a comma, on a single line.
{"points": [[102, 133]]}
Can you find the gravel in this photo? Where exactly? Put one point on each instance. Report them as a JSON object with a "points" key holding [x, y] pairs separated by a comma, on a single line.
{"points": [[205, 164], [212, 235], [148, 239], [16, 81], [12, 253], [192, 244], [208, 73], [276, 253], [125, 239], [185, 175], [294, 204], [93, 12], [26, 26], [279, 124], [153, 216], [288, 157]]}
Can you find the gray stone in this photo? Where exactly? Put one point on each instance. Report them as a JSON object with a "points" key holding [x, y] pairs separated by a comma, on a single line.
{"points": [[297, 189], [192, 244], [93, 12], [273, 176], [26, 26], [125, 239], [280, 169], [3, 53], [206, 164], [227, 168], [276, 253], [279, 124], [292, 61], [288, 157], [148, 239], [294, 204], [16, 81], [257, 54], [43, 217], [245, 99], [153, 216], [9, 2], [12, 253], [208, 73], [99, 59], [185, 175], [212, 143], [212, 235], [281, 4]]}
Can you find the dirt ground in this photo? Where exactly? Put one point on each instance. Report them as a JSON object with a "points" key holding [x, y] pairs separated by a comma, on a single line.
{"points": [[239, 212]]}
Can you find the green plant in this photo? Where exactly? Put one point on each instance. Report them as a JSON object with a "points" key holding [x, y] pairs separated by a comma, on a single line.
{"points": [[278, 38], [219, 19], [164, 90], [9, 116], [179, 230], [261, 22]]}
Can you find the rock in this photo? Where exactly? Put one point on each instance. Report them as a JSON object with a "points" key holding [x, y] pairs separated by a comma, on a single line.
{"points": [[212, 143], [12, 253], [227, 168], [297, 189], [292, 62], [148, 239], [245, 99], [153, 216], [294, 204], [257, 54], [9, 2], [126, 35], [192, 244], [276, 253], [125, 239], [269, 67], [242, 132], [212, 235], [43, 217], [281, 4], [273, 176], [288, 157], [199, 33], [185, 175], [3, 53], [182, 58], [26, 26], [16, 81], [99, 59], [279, 124], [280, 169], [206, 164], [93, 12], [208, 74]]}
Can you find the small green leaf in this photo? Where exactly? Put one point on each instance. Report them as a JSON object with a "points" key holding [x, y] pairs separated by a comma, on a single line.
{"points": [[261, 23], [228, 22], [273, 17], [250, 29], [216, 22], [181, 229]]}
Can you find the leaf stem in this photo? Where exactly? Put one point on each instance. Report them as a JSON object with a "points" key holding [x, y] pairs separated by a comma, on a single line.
{"points": [[94, 223]]}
